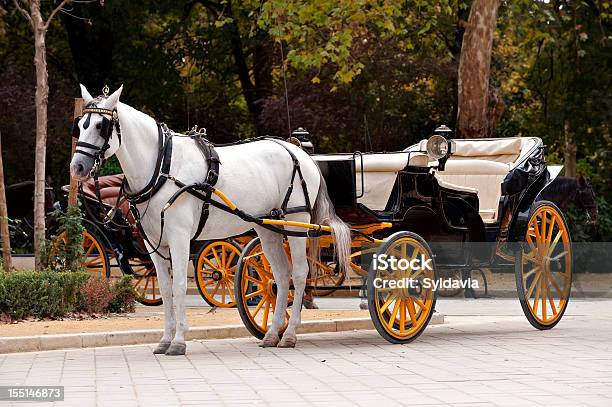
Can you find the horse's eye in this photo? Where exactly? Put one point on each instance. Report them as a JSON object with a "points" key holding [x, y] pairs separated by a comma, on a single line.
{"points": [[98, 126]]}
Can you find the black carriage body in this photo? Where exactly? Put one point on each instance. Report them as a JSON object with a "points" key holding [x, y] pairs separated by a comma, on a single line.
{"points": [[446, 217]]}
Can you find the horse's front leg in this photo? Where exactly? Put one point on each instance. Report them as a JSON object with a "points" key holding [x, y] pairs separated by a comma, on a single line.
{"points": [[162, 269], [179, 252], [299, 275]]}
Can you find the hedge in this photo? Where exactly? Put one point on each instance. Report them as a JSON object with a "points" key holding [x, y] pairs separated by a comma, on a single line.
{"points": [[53, 294]]}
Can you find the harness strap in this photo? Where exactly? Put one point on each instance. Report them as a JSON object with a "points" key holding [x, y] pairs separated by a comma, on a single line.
{"points": [[163, 162], [212, 160], [296, 169]]}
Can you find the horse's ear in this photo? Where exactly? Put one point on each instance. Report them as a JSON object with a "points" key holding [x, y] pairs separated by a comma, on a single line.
{"points": [[581, 181], [112, 100], [85, 94]]}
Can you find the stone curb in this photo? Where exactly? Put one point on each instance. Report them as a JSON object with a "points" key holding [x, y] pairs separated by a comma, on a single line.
{"points": [[98, 339]]}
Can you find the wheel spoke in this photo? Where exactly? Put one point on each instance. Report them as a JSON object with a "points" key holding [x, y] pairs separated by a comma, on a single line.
{"points": [[536, 300], [393, 314], [543, 229], [552, 246], [535, 281], [551, 301], [254, 294], [264, 323], [231, 292], [412, 311], [263, 301], [216, 288], [212, 266], [387, 302], [402, 316], [543, 292], [253, 280]]}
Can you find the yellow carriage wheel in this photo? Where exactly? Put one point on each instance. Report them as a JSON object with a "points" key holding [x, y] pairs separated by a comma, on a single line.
{"points": [[402, 300], [145, 282], [255, 290], [327, 275], [544, 266], [215, 271], [95, 258]]}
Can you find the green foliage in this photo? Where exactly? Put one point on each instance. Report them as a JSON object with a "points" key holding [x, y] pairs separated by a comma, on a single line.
{"points": [[52, 294], [123, 296], [46, 294], [599, 232], [65, 251], [110, 167]]}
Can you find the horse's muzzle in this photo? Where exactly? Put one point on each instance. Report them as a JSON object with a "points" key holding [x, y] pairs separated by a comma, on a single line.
{"points": [[80, 168]]}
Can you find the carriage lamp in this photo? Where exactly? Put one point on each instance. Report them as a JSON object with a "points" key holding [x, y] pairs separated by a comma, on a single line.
{"points": [[439, 147], [302, 137]]}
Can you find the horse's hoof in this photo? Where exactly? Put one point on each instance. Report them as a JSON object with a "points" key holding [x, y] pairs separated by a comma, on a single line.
{"points": [[176, 349], [363, 305], [288, 341], [161, 348], [270, 341], [309, 304]]}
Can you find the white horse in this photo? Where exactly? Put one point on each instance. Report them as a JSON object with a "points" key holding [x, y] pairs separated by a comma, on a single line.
{"points": [[254, 175]]}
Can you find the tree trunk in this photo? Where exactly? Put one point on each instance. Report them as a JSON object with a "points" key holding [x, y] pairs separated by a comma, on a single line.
{"points": [[473, 119], [4, 228], [42, 93], [569, 152]]}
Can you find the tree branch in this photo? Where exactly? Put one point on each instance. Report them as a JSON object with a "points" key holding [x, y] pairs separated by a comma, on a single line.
{"points": [[23, 12], [54, 12]]}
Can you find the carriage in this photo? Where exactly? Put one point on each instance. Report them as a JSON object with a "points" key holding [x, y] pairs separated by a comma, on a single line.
{"points": [[443, 205], [439, 205]]}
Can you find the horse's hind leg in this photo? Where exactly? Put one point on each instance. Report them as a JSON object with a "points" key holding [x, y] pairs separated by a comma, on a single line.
{"points": [[165, 287], [274, 251], [300, 274]]}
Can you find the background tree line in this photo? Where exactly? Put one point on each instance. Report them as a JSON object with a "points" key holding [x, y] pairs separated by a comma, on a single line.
{"points": [[361, 75]]}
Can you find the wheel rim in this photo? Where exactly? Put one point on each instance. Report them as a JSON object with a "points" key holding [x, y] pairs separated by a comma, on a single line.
{"points": [[257, 290], [546, 268], [145, 282], [94, 260], [215, 273], [404, 312]]}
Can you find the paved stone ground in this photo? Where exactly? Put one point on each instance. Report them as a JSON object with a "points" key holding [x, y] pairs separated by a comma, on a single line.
{"points": [[494, 358]]}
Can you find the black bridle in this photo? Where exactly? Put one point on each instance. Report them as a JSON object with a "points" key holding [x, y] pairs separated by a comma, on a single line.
{"points": [[106, 132]]}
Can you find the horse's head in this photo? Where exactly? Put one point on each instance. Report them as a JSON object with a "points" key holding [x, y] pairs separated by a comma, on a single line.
{"points": [[585, 197], [99, 133]]}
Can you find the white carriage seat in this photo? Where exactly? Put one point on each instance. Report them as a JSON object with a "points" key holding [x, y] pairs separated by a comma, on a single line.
{"points": [[379, 174], [481, 176], [482, 164]]}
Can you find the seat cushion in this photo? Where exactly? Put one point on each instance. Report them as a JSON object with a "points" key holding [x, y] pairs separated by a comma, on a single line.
{"points": [[484, 176], [379, 174]]}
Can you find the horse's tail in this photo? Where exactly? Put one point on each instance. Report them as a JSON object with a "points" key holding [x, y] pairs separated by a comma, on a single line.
{"points": [[324, 214]]}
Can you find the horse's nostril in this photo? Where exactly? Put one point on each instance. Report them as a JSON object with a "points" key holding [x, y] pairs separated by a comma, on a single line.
{"points": [[80, 168]]}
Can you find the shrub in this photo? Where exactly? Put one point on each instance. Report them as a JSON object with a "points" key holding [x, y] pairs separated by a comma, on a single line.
{"points": [[124, 296], [96, 294], [46, 294], [65, 254]]}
